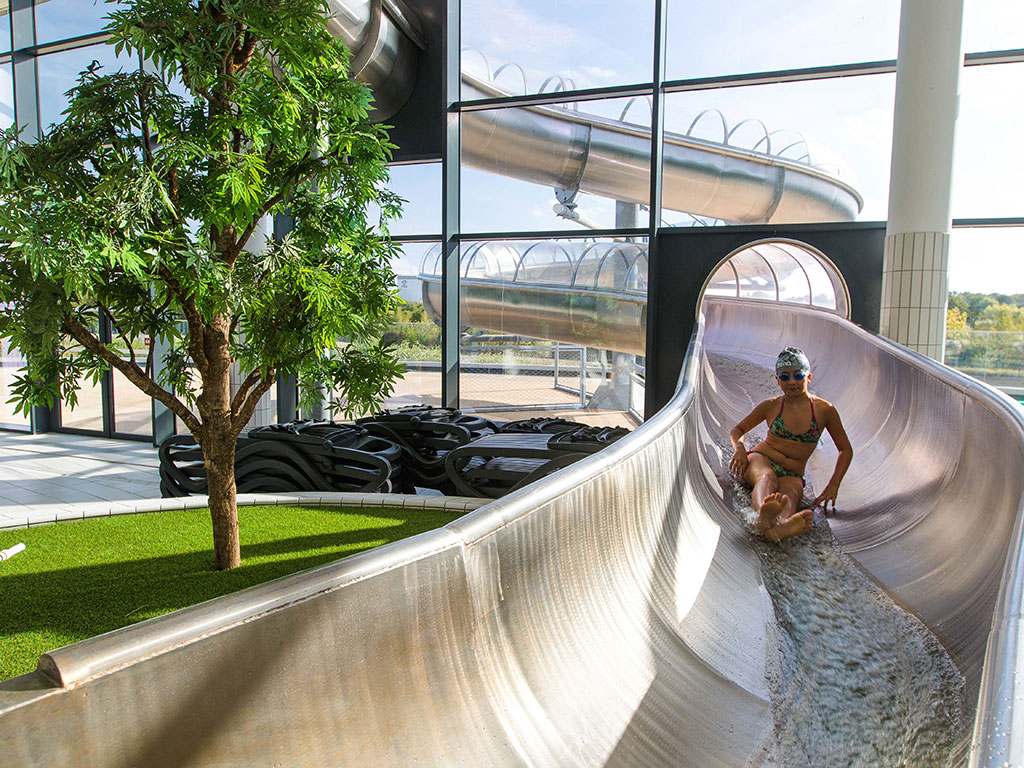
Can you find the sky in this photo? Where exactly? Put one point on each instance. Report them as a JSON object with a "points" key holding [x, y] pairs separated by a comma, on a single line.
{"points": [[846, 124]]}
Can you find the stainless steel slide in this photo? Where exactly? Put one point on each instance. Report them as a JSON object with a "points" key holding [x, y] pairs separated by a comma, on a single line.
{"points": [[618, 613]]}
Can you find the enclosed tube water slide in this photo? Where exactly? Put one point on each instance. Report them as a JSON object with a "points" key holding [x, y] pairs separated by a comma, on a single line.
{"points": [[571, 150], [617, 613]]}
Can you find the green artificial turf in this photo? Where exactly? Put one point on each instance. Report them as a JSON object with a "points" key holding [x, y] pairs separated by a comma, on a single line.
{"points": [[79, 579]]}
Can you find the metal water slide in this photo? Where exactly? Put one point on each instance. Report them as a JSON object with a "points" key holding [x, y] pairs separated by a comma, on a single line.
{"points": [[612, 614]]}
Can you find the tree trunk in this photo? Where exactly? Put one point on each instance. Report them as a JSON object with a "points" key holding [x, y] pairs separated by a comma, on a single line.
{"points": [[220, 475], [217, 439]]}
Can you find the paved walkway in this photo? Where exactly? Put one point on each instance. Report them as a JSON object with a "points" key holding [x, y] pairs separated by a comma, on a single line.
{"points": [[53, 476]]}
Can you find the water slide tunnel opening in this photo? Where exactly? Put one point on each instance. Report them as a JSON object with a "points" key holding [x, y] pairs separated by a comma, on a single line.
{"points": [[783, 270]]}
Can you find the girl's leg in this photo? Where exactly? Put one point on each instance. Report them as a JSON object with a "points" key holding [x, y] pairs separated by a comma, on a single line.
{"points": [[790, 522], [764, 491]]}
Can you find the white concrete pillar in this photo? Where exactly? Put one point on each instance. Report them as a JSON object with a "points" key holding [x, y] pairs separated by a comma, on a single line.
{"points": [[915, 278]]}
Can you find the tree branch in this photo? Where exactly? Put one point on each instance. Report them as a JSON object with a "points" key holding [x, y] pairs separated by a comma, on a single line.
{"points": [[264, 210], [127, 343], [243, 391], [192, 315], [240, 419], [87, 339], [152, 341]]}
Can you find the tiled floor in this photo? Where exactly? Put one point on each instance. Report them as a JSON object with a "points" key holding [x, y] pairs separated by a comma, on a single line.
{"points": [[45, 477]]}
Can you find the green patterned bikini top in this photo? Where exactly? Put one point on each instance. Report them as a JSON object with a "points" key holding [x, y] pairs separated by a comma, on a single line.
{"points": [[779, 429]]}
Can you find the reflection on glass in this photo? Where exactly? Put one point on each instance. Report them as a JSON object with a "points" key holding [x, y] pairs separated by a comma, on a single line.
{"points": [[840, 130], [529, 47], [549, 326], [6, 93], [419, 184], [58, 72], [988, 160], [416, 331], [132, 407], [62, 19], [708, 39], [555, 167], [5, 30], [88, 411], [11, 362]]}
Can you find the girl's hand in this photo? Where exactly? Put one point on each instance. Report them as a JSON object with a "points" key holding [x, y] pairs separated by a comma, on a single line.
{"points": [[827, 495], [738, 465]]}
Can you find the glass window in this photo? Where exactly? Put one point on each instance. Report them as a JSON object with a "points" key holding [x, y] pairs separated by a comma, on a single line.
{"points": [[11, 361], [419, 184], [416, 330], [538, 346], [58, 73], [545, 262], [781, 271], [988, 161], [756, 280], [788, 272], [706, 39], [722, 151], [5, 29], [491, 261], [6, 95], [520, 46], [556, 167], [824, 291], [725, 281], [62, 19], [993, 25]]}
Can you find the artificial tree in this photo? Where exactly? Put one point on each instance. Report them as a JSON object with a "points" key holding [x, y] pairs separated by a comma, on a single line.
{"points": [[142, 205]]}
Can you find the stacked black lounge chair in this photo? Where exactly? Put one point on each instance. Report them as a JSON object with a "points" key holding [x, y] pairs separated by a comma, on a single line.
{"points": [[498, 464], [281, 458], [426, 435], [397, 451]]}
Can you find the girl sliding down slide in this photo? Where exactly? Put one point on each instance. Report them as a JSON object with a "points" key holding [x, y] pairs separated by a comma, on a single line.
{"points": [[774, 468]]}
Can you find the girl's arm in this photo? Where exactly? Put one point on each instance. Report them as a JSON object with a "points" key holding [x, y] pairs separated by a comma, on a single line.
{"points": [[834, 425], [738, 464]]}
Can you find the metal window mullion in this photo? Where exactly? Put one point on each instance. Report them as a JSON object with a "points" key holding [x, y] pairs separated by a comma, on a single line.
{"points": [[26, 76], [657, 147], [450, 170]]}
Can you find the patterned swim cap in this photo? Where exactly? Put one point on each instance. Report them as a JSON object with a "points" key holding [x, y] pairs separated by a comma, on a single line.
{"points": [[792, 358]]}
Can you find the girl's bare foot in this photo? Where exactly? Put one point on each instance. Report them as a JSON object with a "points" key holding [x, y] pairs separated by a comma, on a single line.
{"points": [[768, 515], [795, 525]]}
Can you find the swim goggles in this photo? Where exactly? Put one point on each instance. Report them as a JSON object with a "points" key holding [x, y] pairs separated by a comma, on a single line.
{"points": [[796, 376]]}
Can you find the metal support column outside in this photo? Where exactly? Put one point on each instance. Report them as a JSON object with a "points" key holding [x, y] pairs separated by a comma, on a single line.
{"points": [[451, 90], [657, 142], [915, 279]]}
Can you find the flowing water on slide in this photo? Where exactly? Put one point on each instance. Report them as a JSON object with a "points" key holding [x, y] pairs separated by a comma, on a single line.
{"points": [[855, 679]]}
